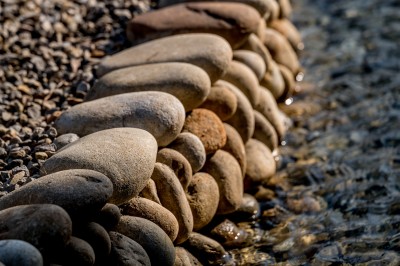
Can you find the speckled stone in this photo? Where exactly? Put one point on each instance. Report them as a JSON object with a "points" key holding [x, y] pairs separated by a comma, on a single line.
{"points": [[289, 31]]}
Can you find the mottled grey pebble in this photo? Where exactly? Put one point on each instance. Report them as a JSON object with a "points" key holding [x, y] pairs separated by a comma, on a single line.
{"points": [[19, 253], [126, 252]]}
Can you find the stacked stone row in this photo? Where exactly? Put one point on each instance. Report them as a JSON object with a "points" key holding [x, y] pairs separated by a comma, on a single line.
{"points": [[170, 136]]}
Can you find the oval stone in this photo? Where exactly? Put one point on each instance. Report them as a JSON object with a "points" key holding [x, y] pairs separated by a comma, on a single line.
{"points": [[159, 113], [150, 192], [226, 171], [203, 197], [152, 238], [244, 79], [80, 192], [252, 60], [173, 198], [221, 101], [207, 51], [78, 252], [285, 8], [274, 9], [273, 80], [232, 21], [207, 126], [126, 252], [109, 216], [260, 162], [47, 227], [264, 131], [289, 31], [243, 119], [190, 146], [235, 146], [255, 45], [15, 252], [189, 83], [290, 83], [147, 209], [125, 155]]}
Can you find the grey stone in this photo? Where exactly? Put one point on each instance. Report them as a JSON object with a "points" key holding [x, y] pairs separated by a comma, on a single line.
{"points": [[209, 52], [78, 252], [159, 113], [15, 252], [261, 164], [189, 83], [125, 155], [65, 139], [126, 252]]}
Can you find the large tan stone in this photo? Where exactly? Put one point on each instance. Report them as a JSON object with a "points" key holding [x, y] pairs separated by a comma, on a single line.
{"points": [[207, 51], [232, 21], [159, 113], [260, 162], [189, 83], [125, 155]]}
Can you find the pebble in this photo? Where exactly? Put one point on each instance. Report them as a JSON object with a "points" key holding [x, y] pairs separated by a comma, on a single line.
{"points": [[178, 163], [229, 235], [190, 146], [274, 10], [181, 257], [125, 251], [255, 45], [252, 60], [285, 8], [243, 119], [232, 21], [235, 146], [47, 227], [125, 155], [273, 80], [189, 83], [264, 131], [207, 126], [80, 192], [65, 139], [15, 252], [109, 216], [147, 209], [248, 210], [290, 83], [244, 79], [260, 162], [226, 171], [152, 238], [173, 198], [146, 110], [209, 52], [289, 31], [78, 252], [150, 191], [281, 50], [269, 108], [203, 197], [221, 101]]}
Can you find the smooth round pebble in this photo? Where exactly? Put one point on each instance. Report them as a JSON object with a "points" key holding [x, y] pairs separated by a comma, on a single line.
{"points": [[65, 139], [255, 45], [190, 146], [229, 235], [78, 252], [152, 238], [290, 83], [150, 192], [109, 216], [126, 252], [252, 60], [289, 31], [207, 126], [203, 198], [273, 81], [125, 155], [146, 110], [15, 252], [235, 146], [147, 209], [264, 131], [261, 164]]}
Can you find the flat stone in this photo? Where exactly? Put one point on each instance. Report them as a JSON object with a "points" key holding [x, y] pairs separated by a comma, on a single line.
{"points": [[65, 139], [273, 81], [260, 5], [203, 198], [152, 238], [226, 171], [207, 51], [125, 251], [146, 110], [178, 163], [125, 155], [208, 127], [269, 108], [252, 60], [264, 131], [232, 21], [235, 146], [190, 146], [244, 79], [47, 227], [221, 101], [80, 192], [243, 119], [189, 83], [260, 162], [173, 197], [15, 252], [289, 31], [281, 50], [147, 209]]}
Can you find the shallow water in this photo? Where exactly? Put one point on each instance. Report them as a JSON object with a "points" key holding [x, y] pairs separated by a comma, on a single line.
{"points": [[338, 200]]}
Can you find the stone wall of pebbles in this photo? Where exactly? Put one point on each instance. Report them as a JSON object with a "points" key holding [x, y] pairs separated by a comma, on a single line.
{"points": [[168, 140]]}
